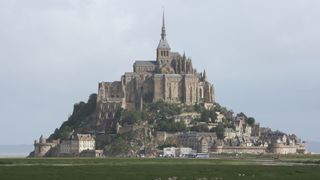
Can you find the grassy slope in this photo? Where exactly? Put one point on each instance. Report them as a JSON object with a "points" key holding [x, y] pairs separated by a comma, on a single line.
{"points": [[148, 169]]}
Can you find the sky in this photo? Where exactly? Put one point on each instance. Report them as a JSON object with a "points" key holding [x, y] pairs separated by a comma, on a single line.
{"points": [[263, 57]]}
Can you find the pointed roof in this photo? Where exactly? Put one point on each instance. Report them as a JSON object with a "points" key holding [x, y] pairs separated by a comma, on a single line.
{"points": [[163, 44], [204, 75], [42, 139], [163, 29]]}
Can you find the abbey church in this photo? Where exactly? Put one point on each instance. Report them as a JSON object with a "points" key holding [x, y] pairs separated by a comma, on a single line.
{"points": [[170, 78]]}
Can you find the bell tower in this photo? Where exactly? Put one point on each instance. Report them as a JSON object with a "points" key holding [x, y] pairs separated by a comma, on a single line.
{"points": [[163, 50]]}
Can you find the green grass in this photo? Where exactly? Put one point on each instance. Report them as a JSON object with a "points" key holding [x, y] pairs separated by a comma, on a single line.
{"points": [[85, 168]]}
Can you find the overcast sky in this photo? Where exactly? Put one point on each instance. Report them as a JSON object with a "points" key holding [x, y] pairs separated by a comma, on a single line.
{"points": [[262, 56]]}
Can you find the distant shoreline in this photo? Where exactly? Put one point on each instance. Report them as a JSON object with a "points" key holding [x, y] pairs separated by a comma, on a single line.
{"points": [[18, 151], [313, 147], [13, 155]]}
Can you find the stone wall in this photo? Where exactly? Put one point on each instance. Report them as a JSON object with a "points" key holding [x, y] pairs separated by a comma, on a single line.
{"points": [[283, 149], [239, 149]]}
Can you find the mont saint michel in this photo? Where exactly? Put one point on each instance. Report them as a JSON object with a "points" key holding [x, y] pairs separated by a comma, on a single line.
{"points": [[163, 108]]}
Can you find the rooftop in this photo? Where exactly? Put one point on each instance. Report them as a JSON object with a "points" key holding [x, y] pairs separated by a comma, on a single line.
{"points": [[145, 63]]}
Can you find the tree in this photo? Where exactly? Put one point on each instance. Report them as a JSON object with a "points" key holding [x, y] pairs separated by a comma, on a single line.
{"points": [[171, 126], [213, 115], [177, 127], [217, 107], [162, 126], [220, 131], [200, 128], [205, 116], [251, 121], [55, 135], [208, 115], [131, 117], [197, 108]]}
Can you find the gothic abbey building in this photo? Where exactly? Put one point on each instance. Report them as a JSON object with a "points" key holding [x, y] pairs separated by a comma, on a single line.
{"points": [[170, 78]]}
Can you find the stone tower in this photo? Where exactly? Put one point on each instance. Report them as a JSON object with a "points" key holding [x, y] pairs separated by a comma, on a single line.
{"points": [[42, 147], [163, 50]]}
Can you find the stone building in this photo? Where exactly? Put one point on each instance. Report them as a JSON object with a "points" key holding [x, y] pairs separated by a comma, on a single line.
{"points": [[199, 141], [177, 152], [203, 146], [170, 78], [42, 148], [77, 144], [239, 149], [287, 144]]}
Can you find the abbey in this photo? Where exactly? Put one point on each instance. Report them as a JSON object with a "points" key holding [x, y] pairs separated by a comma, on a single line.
{"points": [[153, 106], [170, 78]]}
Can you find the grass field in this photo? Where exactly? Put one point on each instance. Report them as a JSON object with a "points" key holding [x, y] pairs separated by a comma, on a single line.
{"points": [[290, 168]]}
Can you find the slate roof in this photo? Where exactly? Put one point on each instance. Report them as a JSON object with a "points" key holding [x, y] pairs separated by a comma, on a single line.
{"points": [[145, 63], [163, 44]]}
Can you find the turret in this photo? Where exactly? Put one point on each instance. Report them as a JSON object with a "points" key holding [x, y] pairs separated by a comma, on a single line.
{"points": [[42, 140]]}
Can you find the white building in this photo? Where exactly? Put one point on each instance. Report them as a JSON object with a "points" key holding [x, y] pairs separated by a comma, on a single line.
{"points": [[229, 133], [220, 117], [169, 152], [77, 144], [177, 152], [184, 151]]}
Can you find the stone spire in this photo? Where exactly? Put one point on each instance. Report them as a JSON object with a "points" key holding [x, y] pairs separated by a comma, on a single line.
{"points": [[163, 50], [163, 29], [163, 41], [204, 75]]}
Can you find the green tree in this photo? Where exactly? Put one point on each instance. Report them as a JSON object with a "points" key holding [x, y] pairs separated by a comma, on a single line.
{"points": [[170, 126], [251, 121], [178, 127], [131, 117], [205, 116], [200, 128], [213, 115], [220, 131], [197, 108], [208, 115]]}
